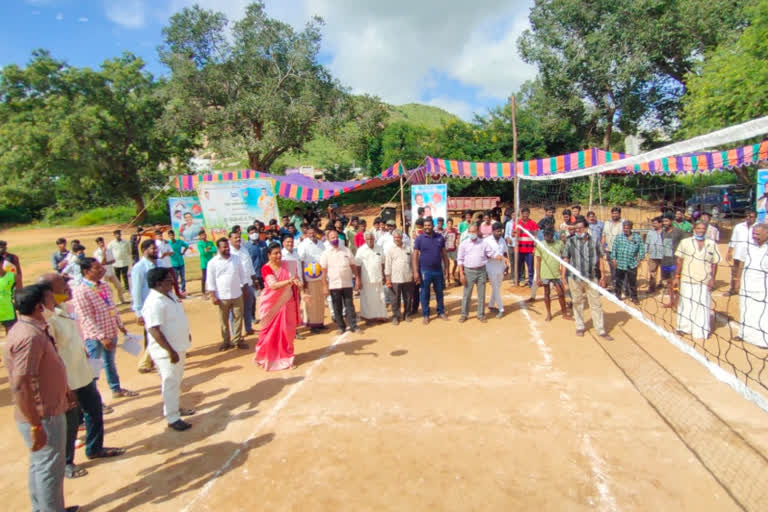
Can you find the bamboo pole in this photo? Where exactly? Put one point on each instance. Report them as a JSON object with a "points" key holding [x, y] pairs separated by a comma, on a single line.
{"points": [[402, 203], [516, 183]]}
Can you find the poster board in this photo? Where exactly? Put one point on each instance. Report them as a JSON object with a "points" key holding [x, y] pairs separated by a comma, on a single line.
{"points": [[433, 198], [762, 195], [228, 203], [186, 221]]}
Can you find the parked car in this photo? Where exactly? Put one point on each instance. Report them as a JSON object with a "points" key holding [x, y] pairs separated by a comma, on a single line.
{"points": [[723, 199]]}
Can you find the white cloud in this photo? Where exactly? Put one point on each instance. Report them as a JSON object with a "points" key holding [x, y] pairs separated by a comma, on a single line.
{"points": [[401, 49], [128, 13], [82, 19], [59, 16]]}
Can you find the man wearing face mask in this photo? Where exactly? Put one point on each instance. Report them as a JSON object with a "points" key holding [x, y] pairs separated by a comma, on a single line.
{"points": [[697, 260], [585, 254], [139, 292], [496, 268], [474, 254], [100, 321], [80, 379], [429, 261], [38, 382], [339, 269], [249, 298]]}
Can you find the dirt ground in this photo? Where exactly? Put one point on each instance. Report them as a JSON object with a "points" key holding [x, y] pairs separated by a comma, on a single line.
{"points": [[515, 414]]}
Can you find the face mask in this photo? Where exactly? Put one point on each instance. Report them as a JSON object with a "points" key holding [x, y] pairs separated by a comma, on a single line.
{"points": [[699, 237], [47, 313], [61, 298], [580, 235], [253, 236], [335, 243], [473, 236]]}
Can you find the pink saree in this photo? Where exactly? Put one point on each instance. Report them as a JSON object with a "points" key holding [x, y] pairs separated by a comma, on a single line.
{"points": [[279, 314]]}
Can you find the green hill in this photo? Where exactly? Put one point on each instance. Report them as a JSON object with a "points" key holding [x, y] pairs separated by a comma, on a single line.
{"points": [[423, 115]]}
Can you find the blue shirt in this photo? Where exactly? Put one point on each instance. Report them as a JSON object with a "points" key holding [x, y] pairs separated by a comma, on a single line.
{"points": [[258, 252], [430, 251], [139, 285]]}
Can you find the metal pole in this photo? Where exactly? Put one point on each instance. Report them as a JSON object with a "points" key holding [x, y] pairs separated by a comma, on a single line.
{"points": [[402, 203], [516, 183]]}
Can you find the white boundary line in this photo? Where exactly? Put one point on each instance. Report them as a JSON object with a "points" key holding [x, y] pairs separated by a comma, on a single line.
{"points": [[596, 463], [719, 373], [203, 492]]}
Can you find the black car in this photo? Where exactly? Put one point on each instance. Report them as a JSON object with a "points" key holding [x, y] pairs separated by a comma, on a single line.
{"points": [[723, 199]]}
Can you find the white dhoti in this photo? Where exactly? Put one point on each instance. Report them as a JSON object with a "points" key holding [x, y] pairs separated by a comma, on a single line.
{"points": [[693, 308], [372, 305], [753, 323]]}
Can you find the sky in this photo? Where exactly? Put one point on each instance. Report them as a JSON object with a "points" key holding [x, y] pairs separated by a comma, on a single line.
{"points": [[455, 54]]}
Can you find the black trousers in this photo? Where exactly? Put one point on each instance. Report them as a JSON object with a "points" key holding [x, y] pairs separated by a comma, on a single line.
{"points": [[343, 303], [415, 299], [122, 273], [402, 291], [90, 409], [626, 277]]}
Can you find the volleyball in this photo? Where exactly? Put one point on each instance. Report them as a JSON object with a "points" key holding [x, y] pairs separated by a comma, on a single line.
{"points": [[313, 271]]}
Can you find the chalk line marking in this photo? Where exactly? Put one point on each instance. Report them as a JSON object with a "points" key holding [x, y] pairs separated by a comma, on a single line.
{"points": [[206, 489], [596, 463]]}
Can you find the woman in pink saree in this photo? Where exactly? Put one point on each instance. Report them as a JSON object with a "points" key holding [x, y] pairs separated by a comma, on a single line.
{"points": [[279, 313]]}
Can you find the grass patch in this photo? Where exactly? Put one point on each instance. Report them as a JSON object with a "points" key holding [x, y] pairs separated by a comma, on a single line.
{"points": [[105, 215]]}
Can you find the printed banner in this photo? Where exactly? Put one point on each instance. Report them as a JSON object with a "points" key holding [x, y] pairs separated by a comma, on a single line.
{"points": [[762, 195], [433, 198], [186, 221], [226, 204]]}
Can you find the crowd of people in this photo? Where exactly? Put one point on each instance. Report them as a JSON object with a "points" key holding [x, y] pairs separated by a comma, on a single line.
{"points": [[63, 330]]}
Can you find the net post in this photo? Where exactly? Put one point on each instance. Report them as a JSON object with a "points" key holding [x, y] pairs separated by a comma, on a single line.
{"points": [[516, 183]]}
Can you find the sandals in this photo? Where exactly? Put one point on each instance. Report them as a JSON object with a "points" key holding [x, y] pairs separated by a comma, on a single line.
{"points": [[106, 453], [121, 393], [72, 471], [186, 412], [106, 409]]}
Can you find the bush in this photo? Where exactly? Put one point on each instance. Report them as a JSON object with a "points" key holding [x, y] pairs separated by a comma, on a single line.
{"points": [[106, 215], [613, 193], [14, 216]]}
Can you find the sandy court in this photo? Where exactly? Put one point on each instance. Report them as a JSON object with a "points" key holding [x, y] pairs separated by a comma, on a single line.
{"points": [[508, 415], [513, 414]]}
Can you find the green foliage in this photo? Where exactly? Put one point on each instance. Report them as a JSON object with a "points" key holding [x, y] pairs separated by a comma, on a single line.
{"points": [[13, 216], [73, 137], [257, 89], [425, 116], [731, 85], [105, 215], [614, 193]]}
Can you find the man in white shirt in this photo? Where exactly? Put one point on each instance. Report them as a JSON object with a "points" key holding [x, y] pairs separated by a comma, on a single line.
{"points": [[169, 340], [741, 238], [226, 283], [105, 257], [164, 251], [496, 268], [309, 251], [399, 275], [249, 296], [753, 323], [384, 241], [121, 250], [338, 269]]}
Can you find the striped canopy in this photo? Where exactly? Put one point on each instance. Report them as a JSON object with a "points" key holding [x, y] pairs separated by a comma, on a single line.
{"points": [[296, 186]]}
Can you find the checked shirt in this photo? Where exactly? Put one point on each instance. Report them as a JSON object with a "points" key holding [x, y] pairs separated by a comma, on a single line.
{"points": [[627, 252]]}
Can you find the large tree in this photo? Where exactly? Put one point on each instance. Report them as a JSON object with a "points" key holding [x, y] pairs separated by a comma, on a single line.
{"points": [[628, 60], [731, 85], [74, 138], [255, 86]]}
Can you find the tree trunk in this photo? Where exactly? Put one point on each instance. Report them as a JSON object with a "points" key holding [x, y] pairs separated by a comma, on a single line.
{"points": [[141, 210], [254, 162]]}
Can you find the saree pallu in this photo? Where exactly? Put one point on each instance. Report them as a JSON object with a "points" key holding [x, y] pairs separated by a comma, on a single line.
{"points": [[279, 312]]}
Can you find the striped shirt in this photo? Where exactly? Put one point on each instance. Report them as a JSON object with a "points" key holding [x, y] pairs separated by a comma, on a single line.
{"points": [[584, 254], [525, 242]]}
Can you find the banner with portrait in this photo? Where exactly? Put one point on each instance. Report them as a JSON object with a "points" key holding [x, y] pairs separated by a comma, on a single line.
{"points": [[229, 203], [187, 221], [762, 195], [433, 198]]}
